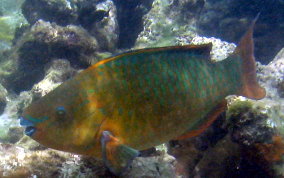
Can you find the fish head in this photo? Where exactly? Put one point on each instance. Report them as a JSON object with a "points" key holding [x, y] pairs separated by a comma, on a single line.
{"points": [[49, 122]]}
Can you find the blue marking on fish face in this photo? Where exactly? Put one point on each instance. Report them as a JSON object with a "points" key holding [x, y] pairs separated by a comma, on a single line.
{"points": [[29, 131], [60, 108], [25, 123], [61, 114], [29, 126], [36, 120], [30, 122]]}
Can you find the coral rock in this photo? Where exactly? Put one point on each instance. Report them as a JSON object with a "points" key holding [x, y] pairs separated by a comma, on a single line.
{"points": [[58, 72], [165, 24], [156, 166], [41, 44], [100, 20], [3, 99], [62, 12]]}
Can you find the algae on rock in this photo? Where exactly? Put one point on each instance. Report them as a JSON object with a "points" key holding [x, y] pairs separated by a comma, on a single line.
{"points": [[6, 30], [59, 71], [3, 98], [100, 20], [257, 126], [9, 118], [165, 23], [10, 20], [39, 45], [62, 12]]}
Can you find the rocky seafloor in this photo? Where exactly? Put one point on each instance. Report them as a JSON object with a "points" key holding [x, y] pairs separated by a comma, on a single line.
{"points": [[46, 42]]}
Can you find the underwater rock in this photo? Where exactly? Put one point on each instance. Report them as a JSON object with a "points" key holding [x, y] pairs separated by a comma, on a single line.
{"points": [[68, 42], [17, 162], [8, 25], [24, 141], [100, 20], [19, 32], [42, 43], [191, 151], [8, 66], [229, 19], [272, 76], [248, 123], [63, 12], [10, 130], [280, 88], [218, 161], [257, 127], [11, 6], [14, 135], [129, 17], [155, 166], [186, 155], [3, 99], [59, 71], [10, 20], [80, 166], [220, 49], [215, 21], [167, 22], [170, 21], [29, 144], [106, 30]]}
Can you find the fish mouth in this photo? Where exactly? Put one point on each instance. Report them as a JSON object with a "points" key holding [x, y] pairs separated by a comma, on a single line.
{"points": [[29, 126], [30, 130]]}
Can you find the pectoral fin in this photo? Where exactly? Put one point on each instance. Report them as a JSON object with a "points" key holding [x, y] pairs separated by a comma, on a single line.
{"points": [[116, 155]]}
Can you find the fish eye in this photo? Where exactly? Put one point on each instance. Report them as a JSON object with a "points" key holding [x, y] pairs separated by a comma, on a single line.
{"points": [[60, 111]]}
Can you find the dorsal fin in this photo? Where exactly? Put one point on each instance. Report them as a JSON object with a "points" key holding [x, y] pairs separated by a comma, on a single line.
{"points": [[203, 49], [245, 50]]}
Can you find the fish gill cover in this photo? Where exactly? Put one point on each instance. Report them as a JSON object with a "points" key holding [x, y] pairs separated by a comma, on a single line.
{"points": [[59, 38]]}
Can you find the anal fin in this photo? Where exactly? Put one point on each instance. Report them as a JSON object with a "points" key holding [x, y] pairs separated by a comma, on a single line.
{"points": [[211, 117], [116, 155]]}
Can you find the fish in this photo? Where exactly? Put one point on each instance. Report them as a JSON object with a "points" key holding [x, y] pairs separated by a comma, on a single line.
{"points": [[139, 99]]}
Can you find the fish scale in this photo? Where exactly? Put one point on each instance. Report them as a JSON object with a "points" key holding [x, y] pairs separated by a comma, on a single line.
{"points": [[166, 67]]}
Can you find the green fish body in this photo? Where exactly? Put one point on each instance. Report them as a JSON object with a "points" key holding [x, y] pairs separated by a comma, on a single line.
{"points": [[141, 99]]}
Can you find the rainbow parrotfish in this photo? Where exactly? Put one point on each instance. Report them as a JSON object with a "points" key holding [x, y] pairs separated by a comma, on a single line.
{"points": [[140, 99]]}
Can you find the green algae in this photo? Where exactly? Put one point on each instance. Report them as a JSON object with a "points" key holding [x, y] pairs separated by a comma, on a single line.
{"points": [[103, 55], [10, 20], [6, 30], [163, 27], [271, 109], [238, 107]]}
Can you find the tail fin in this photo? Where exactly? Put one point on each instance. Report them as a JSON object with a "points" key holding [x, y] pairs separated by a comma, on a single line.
{"points": [[245, 50]]}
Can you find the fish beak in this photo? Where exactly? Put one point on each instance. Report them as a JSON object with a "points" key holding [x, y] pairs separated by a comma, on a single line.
{"points": [[29, 126]]}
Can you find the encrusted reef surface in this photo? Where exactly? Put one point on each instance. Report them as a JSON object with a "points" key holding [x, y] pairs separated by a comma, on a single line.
{"points": [[62, 37]]}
